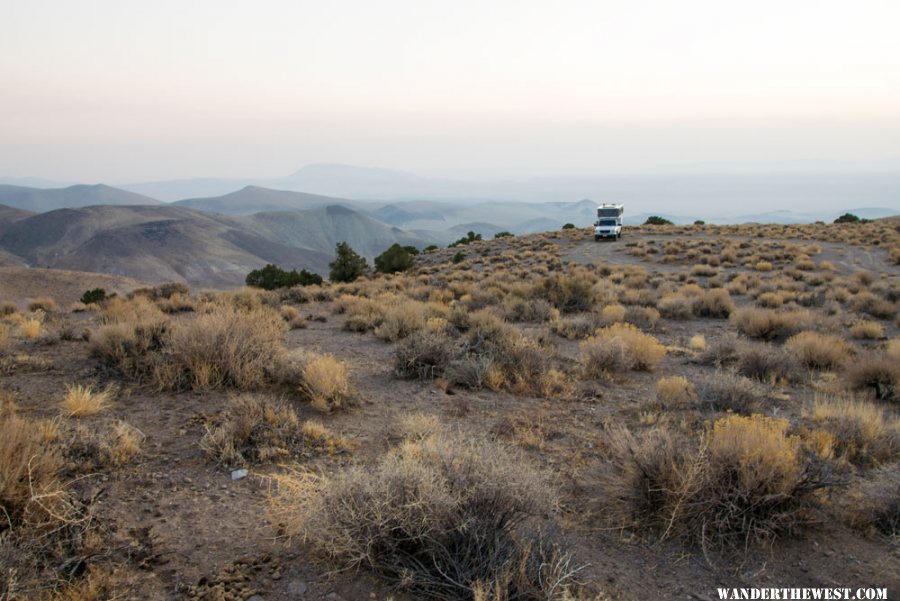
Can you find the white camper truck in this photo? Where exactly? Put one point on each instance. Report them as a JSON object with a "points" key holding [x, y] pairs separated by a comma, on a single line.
{"points": [[609, 221]]}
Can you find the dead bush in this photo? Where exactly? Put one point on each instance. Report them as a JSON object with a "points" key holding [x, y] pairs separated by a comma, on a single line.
{"points": [[438, 517], [676, 306], [258, 429], [745, 481], [768, 324], [820, 351], [722, 352]]}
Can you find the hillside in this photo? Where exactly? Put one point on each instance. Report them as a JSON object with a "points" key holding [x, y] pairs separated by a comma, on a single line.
{"points": [[322, 228], [169, 243], [254, 199], [48, 199], [150, 243]]}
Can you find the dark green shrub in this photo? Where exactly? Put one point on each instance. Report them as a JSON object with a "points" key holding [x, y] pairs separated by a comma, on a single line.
{"points": [[430, 248], [467, 239], [396, 258], [272, 277], [848, 218], [459, 257], [569, 226], [97, 295], [503, 234], [656, 220], [348, 265]]}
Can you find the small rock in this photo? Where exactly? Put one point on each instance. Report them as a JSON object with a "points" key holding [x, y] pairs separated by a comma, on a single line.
{"points": [[238, 474], [296, 588]]}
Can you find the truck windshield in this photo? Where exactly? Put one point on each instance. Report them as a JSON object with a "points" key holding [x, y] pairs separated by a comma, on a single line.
{"points": [[607, 222], [601, 212]]}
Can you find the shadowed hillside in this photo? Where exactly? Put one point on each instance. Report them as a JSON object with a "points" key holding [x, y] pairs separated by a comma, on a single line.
{"points": [[253, 199], [40, 200]]}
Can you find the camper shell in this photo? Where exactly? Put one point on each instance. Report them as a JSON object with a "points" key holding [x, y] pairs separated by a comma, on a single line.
{"points": [[609, 221]]}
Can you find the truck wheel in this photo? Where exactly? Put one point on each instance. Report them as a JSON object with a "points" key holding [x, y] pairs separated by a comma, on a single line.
{"points": [[596, 238]]}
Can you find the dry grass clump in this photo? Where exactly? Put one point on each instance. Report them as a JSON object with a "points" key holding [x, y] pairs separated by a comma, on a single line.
{"points": [[5, 338], [42, 303], [259, 429], [579, 327], [865, 329], [867, 302], [30, 466], [877, 372], [746, 481], [30, 328], [516, 308], [325, 381], [728, 391], [138, 309], [291, 316], [223, 347], [862, 432], [674, 390], [122, 445], [820, 351], [676, 306], [440, 517], [619, 347], [697, 343], [83, 400]]}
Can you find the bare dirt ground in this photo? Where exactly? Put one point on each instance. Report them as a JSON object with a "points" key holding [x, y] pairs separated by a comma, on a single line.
{"points": [[188, 530]]}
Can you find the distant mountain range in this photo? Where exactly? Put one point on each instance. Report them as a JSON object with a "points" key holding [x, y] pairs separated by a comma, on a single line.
{"points": [[166, 243], [215, 240], [49, 199]]}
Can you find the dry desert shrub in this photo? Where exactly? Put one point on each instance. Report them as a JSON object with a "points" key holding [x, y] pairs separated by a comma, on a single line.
{"points": [[30, 466], [820, 351], [138, 309], [401, 318], [869, 303], [291, 316], [644, 318], [768, 324], [676, 306], [222, 347], [612, 314], [439, 517], [83, 400], [862, 432], [30, 328], [516, 308], [674, 390], [619, 347], [258, 429], [122, 444], [325, 381], [875, 504], [715, 302], [865, 329], [697, 343], [8, 308], [746, 480], [768, 363], [227, 347], [424, 355], [770, 300], [176, 303], [570, 293], [5, 338], [875, 372], [42, 303], [728, 391], [579, 327]]}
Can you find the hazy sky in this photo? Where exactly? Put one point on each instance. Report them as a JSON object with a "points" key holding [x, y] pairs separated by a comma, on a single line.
{"points": [[119, 90]]}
